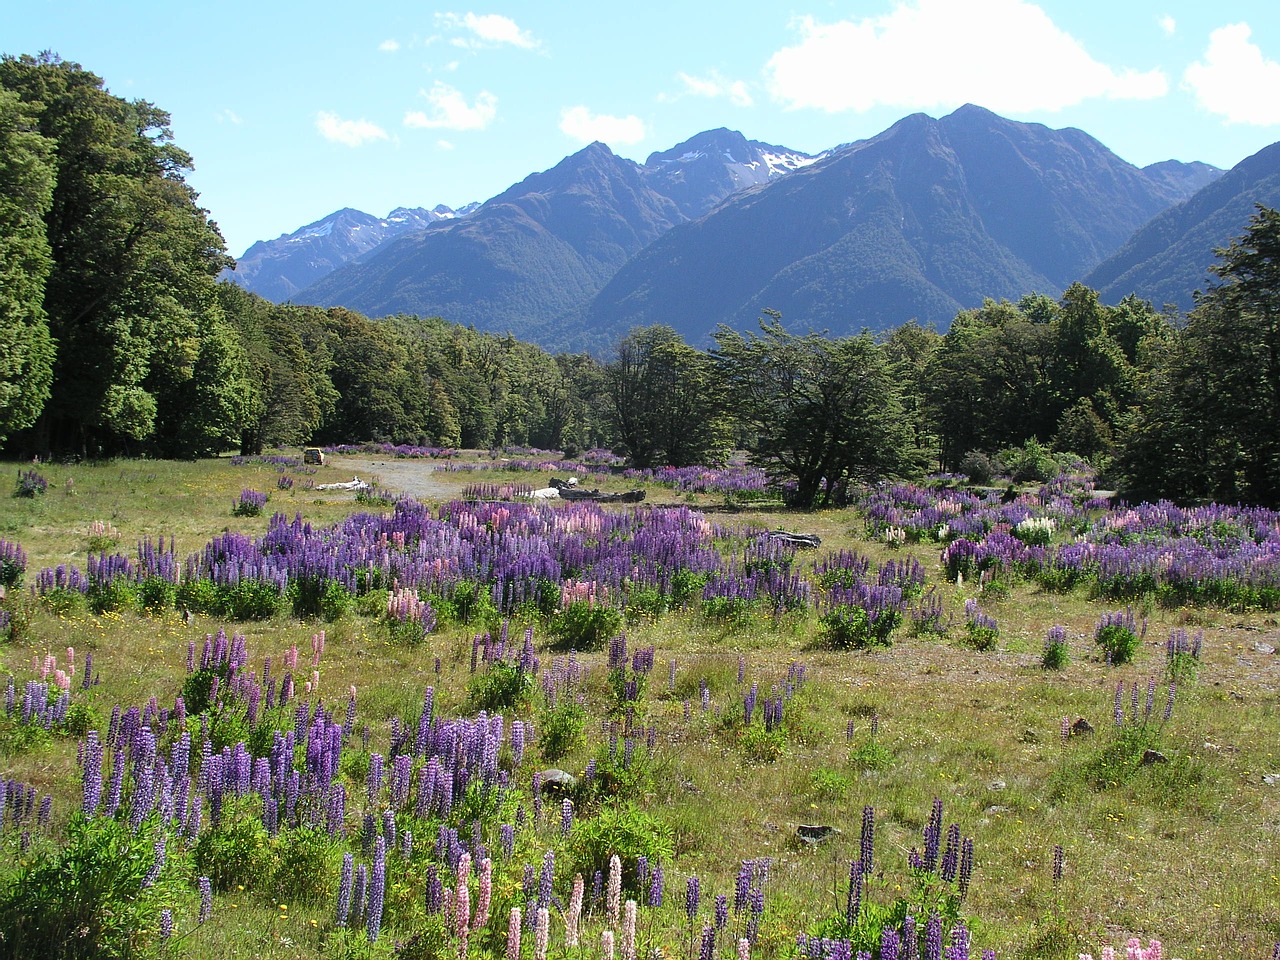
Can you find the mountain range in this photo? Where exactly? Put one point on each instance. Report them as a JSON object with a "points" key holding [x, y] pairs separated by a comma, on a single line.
{"points": [[923, 220]]}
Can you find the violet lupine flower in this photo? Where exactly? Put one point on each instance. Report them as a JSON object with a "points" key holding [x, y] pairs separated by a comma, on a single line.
{"points": [[613, 905], [722, 911], [92, 773], [867, 841], [344, 889], [206, 899], [1059, 861], [951, 855], [966, 866], [655, 887], [566, 816], [507, 839], [1168, 705], [166, 924], [153, 874], [693, 889], [377, 889], [546, 878], [707, 945], [359, 889], [959, 949], [933, 937], [853, 898], [910, 939], [933, 836], [889, 942]]}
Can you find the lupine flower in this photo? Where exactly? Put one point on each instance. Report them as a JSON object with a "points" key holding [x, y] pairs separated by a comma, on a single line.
{"points": [[574, 914], [344, 889], [377, 889], [613, 905], [628, 930], [514, 926], [707, 945], [693, 887], [606, 945], [542, 934], [485, 894], [206, 899], [166, 924], [744, 948], [655, 887]]}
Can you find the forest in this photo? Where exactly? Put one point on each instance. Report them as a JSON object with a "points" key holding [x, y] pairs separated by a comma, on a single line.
{"points": [[118, 339]]}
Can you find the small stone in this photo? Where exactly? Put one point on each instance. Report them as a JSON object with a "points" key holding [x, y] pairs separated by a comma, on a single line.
{"points": [[1153, 756], [557, 781], [1263, 648], [1271, 779], [997, 785], [995, 808], [815, 832], [1081, 728]]}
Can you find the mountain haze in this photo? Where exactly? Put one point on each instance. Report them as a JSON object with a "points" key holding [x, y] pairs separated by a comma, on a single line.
{"points": [[278, 269], [1168, 259]]}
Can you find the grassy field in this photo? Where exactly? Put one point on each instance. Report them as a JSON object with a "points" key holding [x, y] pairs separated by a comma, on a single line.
{"points": [[1183, 850]]}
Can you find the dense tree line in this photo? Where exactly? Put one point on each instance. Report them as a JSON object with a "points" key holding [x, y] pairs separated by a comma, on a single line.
{"points": [[116, 337]]}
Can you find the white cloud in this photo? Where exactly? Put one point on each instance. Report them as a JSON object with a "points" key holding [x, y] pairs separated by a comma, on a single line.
{"points": [[586, 127], [487, 30], [713, 85], [1168, 25], [389, 46], [353, 133], [444, 144], [1235, 80], [450, 110], [230, 116], [1006, 55]]}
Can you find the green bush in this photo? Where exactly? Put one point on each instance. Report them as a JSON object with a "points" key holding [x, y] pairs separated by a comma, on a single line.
{"points": [[848, 627], [200, 596], [585, 626], [113, 596], [561, 728], [305, 866], [503, 686], [156, 594], [646, 604], [620, 829], [762, 746], [86, 901], [236, 854]]}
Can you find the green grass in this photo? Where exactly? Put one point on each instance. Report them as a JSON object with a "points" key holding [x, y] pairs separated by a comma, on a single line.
{"points": [[1182, 851]]}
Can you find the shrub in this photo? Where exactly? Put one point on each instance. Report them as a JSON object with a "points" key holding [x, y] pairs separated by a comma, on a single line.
{"points": [[505, 685], [250, 504], [13, 564], [103, 537], [1057, 652], [561, 728], [87, 900], [847, 627], [236, 854], [646, 603], [585, 626], [982, 632], [978, 467], [762, 746], [623, 830], [30, 484], [1118, 636]]}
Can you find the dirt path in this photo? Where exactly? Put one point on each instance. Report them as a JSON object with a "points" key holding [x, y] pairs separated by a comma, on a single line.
{"points": [[417, 478]]}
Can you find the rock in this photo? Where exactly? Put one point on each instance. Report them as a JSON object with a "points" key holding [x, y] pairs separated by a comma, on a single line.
{"points": [[1081, 728], [1263, 648], [995, 808], [557, 781], [1153, 756], [812, 833], [1271, 779], [997, 785]]}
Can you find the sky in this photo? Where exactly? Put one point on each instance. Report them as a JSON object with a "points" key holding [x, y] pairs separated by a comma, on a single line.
{"points": [[292, 111]]}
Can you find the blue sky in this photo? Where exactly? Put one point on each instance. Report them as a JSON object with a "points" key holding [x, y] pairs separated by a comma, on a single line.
{"points": [[295, 110]]}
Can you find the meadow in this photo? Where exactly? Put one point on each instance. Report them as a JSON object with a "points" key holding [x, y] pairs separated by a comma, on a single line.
{"points": [[246, 717]]}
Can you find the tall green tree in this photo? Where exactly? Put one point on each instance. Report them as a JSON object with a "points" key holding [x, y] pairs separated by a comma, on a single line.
{"points": [[134, 258], [665, 401], [26, 194], [821, 412]]}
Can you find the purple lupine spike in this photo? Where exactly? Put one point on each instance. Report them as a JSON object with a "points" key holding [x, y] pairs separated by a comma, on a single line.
{"points": [[966, 866], [206, 899], [655, 886], [889, 942], [951, 855], [867, 840], [377, 889], [933, 937], [546, 878], [693, 889], [853, 897], [722, 911]]}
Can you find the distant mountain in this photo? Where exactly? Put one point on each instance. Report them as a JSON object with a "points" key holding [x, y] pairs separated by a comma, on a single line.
{"points": [[925, 219], [533, 255], [1168, 259], [278, 269]]}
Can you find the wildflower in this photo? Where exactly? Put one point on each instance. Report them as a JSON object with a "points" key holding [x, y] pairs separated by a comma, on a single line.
{"points": [[542, 930], [574, 913], [613, 905], [514, 925], [628, 931], [206, 899]]}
